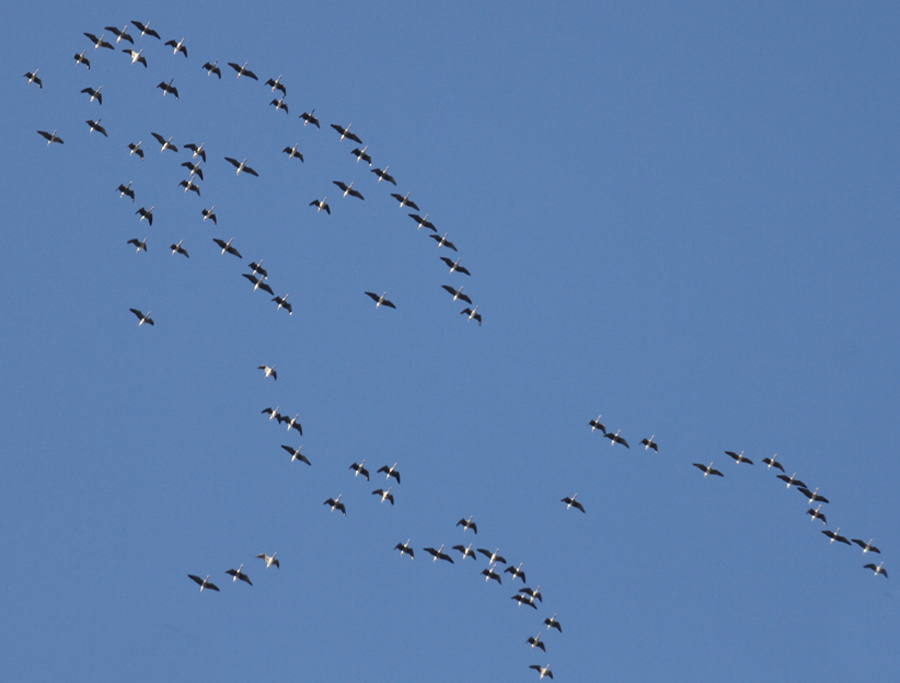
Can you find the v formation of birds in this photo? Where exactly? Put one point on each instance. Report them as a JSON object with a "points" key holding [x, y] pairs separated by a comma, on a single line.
{"points": [[259, 278]]}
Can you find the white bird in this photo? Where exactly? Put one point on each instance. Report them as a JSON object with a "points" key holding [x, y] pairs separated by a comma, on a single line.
{"points": [[142, 317], [309, 118], [212, 69], [145, 29], [390, 472], [345, 133], [405, 200], [379, 300], [708, 469], [489, 574], [835, 536], [198, 151], [360, 468], [50, 137], [320, 204], [95, 126], [126, 191], [293, 423], [293, 152], [738, 458], [243, 71], [878, 570], [466, 551], [136, 56], [383, 174], [770, 463], [516, 572], [405, 548], [439, 554], [443, 241], [542, 670], [120, 35], [141, 245], [81, 59], [177, 47], [553, 623], [423, 222], [269, 372], [650, 443], [279, 104], [336, 504], [269, 560], [241, 166], [385, 495], [493, 557], [95, 94], [178, 249], [296, 454], [277, 85], [238, 574], [535, 641], [136, 149], [33, 78], [467, 524], [867, 547], [204, 583], [572, 503], [168, 88]]}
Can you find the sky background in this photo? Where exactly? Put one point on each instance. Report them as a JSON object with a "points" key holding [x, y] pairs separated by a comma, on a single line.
{"points": [[681, 218]]}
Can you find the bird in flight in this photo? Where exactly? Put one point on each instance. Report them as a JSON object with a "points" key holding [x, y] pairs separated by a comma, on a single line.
{"points": [[204, 583], [379, 300]]}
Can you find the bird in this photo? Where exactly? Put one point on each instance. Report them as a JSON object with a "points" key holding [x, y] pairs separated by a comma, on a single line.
{"points": [[542, 670], [136, 57], [361, 155], [454, 266], [95, 126], [308, 117], [164, 143], [208, 214], [193, 168], [320, 204], [177, 47], [120, 35], [467, 524], [190, 185], [277, 85], [817, 514], [360, 468], [272, 413], [269, 372], [390, 472], [534, 593], [345, 133], [493, 557], [791, 480], [136, 149], [33, 78], [258, 269], [649, 443], [384, 175], [243, 71], [204, 583], [835, 536], [81, 59], [50, 137], [770, 463], [878, 570], [141, 246], [145, 29], [472, 313], [348, 189], [405, 548], [615, 438], [489, 574], [812, 496], [142, 317], [241, 166], [572, 503], [126, 191], [292, 423], [99, 42], [269, 560], [178, 249], [708, 469], [457, 293], [524, 600], [553, 623], [596, 424], [516, 572], [535, 641], [379, 300], [405, 201], [146, 213], [867, 547], [238, 574], [423, 221], [293, 152], [213, 69], [168, 88], [259, 284], [466, 551], [283, 303], [443, 241], [296, 454], [198, 151], [439, 554], [226, 247], [385, 495], [279, 104], [336, 504], [738, 458]]}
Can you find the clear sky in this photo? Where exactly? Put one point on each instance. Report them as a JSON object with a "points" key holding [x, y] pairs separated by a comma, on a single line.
{"points": [[682, 218]]}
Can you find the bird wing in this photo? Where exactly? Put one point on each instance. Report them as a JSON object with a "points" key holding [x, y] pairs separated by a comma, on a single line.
{"points": [[389, 304], [196, 579], [373, 296], [159, 137], [249, 170], [234, 162]]}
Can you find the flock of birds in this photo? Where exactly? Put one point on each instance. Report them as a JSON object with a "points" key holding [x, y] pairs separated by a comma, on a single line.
{"points": [[259, 278]]}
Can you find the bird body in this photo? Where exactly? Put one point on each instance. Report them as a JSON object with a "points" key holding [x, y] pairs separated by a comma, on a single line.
{"points": [[596, 424], [279, 104], [120, 34], [489, 574], [320, 205], [867, 547], [835, 536], [422, 221], [361, 155], [145, 29], [277, 85], [516, 572], [553, 623], [164, 143], [770, 463], [190, 185], [269, 372], [472, 313], [259, 284], [198, 151], [126, 191], [542, 670], [136, 57], [454, 266], [99, 42], [817, 514], [308, 117], [293, 152], [615, 438], [81, 59], [812, 496], [146, 214], [283, 303], [136, 149], [791, 480], [209, 215], [493, 557], [535, 641], [466, 551], [269, 560]]}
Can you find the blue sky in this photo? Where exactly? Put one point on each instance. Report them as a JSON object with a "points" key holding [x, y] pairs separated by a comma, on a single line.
{"points": [[682, 218]]}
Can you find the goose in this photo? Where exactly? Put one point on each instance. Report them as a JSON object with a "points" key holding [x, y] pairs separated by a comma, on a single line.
{"points": [[390, 472], [126, 191], [95, 126], [95, 94], [466, 551], [542, 670], [596, 424], [241, 166], [243, 71], [81, 59], [292, 423], [336, 504], [320, 204], [136, 149], [534, 593], [770, 463], [50, 137], [226, 247], [360, 469], [272, 413], [238, 574], [190, 185], [269, 372], [33, 78], [572, 503], [443, 241], [422, 221], [197, 151], [878, 570], [524, 600], [194, 169], [146, 213], [457, 293], [817, 514], [535, 641], [178, 249], [177, 47], [489, 574], [385, 495], [439, 554], [269, 560], [141, 246], [493, 557], [259, 284], [361, 155], [279, 104], [708, 469], [615, 438], [813, 496], [277, 85], [791, 480], [293, 152], [867, 547], [348, 189], [472, 313], [213, 69], [308, 117], [345, 133], [738, 459], [99, 42], [405, 201], [296, 454], [553, 623], [384, 175], [136, 57], [405, 548], [379, 300], [258, 269], [283, 303], [208, 214], [516, 572], [145, 29], [204, 583], [168, 88], [650, 443], [120, 35], [142, 317], [835, 536], [467, 524], [454, 266]]}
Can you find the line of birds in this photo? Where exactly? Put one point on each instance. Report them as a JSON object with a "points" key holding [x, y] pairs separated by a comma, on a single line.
{"points": [[236, 574]]}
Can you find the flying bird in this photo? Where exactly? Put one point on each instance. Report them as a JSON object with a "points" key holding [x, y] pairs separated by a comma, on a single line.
{"points": [[650, 443], [258, 283], [443, 241], [126, 191], [141, 246], [405, 201], [277, 85], [379, 300], [390, 472], [472, 313], [535, 641], [466, 551], [164, 143], [293, 152], [493, 557], [142, 317], [405, 548], [835, 536], [467, 524], [770, 463], [168, 88], [553, 623], [542, 670], [95, 94], [489, 574], [360, 468], [615, 438], [270, 560], [738, 458], [193, 168], [279, 104], [283, 303], [361, 155], [572, 503], [136, 149], [309, 118], [95, 126], [524, 600], [226, 247], [817, 514], [99, 42], [596, 424], [269, 372], [238, 574], [385, 495], [791, 480], [708, 469], [177, 47], [213, 69], [204, 583], [336, 504], [190, 185], [320, 204], [208, 214], [272, 413], [178, 249], [878, 570], [81, 59], [867, 547], [145, 29], [120, 35], [439, 554], [516, 572], [812, 496], [146, 213], [383, 175], [241, 166], [50, 137], [33, 78], [533, 593], [137, 57], [457, 293], [258, 269], [348, 189], [423, 221], [197, 151], [454, 266], [243, 71], [345, 133], [292, 423], [296, 454]]}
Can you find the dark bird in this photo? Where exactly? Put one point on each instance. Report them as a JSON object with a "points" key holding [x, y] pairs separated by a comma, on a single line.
{"points": [[238, 574], [293, 152], [535, 641], [405, 548], [243, 71], [283, 303], [472, 313], [197, 151], [204, 583], [193, 168], [50, 137], [439, 554], [791, 480], [360, 468], [516, 572], [33, 77], [136, 149], [213, 69], [136, 57], [226, 247], [336, 504], [120, 35], [258, 269], [361, 155], [177, 47], [296, 454], [867, 547], [146, 213], [405, 201], [707, 470], [348, 189], [542, 670], [279, 104], [467, 524], [457, 293], [345, 133], [320, 205], [141, 246], [812, 496], [164, 143], [272, 413], [189, 185], [277, 85], [145, 29], [126, 191], [454, 266], [524, 600], [650, 443], [99, 42], [596, 424], [208, 214], [738, 458], [385, 495], [390, 472], [258, 284], [292, 423], [770, 463], [95, 126], [241, 166], [615, 438], [269, 560], [443, 241], [309, 118], [168, 88], [95, 94], [379, 300], [553, 623], [835, 536], [383, 175], [878, 570], [466, 551], [492, 556], [489, 574], [268, 372], [81, 59], [423, 222], [572, 503], [142, 318], [178, 249], [817, 514]]}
